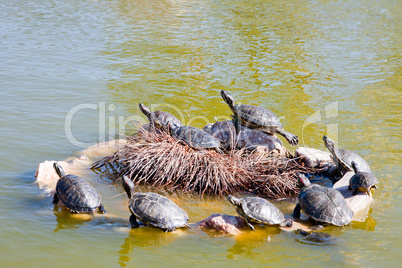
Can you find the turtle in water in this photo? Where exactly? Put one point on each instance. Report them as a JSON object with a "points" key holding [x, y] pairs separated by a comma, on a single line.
{"points": [[362, 181], [153, 209], [259, 210], [323, 204], [194, 137], [317, 237], [343, 158], [257, 117], [159, 119], [76, 194]]}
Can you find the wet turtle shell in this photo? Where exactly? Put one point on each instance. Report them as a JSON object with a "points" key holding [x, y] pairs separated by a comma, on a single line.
{"points": [[259, 210], [257, 117], [343, 158], [195, 138], [224, 132], [159, 119], [76, 194], [154, 209], [323, 204], [362, 181], [317, 237]]}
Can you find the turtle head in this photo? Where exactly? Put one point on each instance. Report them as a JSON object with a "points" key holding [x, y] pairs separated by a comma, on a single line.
{"points": [[234, 201], [303, 180], [59, 169], [329, 143], [355, 167], [146, 111], [128, 186], [228, 99]]}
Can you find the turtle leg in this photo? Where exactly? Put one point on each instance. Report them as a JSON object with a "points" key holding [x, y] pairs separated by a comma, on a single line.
{"points": [[296, 211], [55, 198], [133, 222], [102, 209], [369, 192], [291, 138], [237, 124], [250, 225]]}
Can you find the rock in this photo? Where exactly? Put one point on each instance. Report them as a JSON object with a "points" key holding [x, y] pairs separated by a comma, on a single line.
{"points": [[223, 223], [315, 158]]}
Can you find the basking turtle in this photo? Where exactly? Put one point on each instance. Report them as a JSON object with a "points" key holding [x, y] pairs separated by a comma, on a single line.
{"points": [[194, 137], [259, 210], [257, 117], [224, 132], [362, 181], [323, 204], [153, 209], [76, 194], [160, 119], [248, 138], [343, 158]]}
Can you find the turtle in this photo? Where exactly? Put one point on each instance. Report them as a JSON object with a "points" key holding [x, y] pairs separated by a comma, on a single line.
{"points": [[159, 119], [362, 181], [153, 209], [194, 137], [343, 158], [224, 131], [259, 210], [248, 138], [317, 237], [323, 204], [257, 117], [76, 194]]}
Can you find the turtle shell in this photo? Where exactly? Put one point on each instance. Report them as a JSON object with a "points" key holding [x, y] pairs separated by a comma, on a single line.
{"points": [[224, 132], [257, 117], [363, 181], [77, 194], [157, 210], [195, 138], [164, 119], [259, 210], [325, 204]]}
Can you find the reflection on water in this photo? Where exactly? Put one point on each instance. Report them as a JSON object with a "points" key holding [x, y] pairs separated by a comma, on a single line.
{"points": [[294, 58], [145, 237]]}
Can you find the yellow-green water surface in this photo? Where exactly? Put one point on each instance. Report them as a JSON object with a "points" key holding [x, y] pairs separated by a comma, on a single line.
{"points": [[73, 72]]}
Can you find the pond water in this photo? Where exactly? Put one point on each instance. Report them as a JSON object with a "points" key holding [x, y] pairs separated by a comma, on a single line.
{"points": [[73, 73]]}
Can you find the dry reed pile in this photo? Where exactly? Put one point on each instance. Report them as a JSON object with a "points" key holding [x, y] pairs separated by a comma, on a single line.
{"points": [[157, 159]]}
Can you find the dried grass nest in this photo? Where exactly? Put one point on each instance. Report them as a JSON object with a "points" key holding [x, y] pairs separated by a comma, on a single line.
{"points": [[157, 159]]}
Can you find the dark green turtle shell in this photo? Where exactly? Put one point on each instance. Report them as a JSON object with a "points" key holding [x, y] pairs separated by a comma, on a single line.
{"points": [[257, 117], [259, 210], [158, 211], [195, 138], [362, 181], [77, 194], [325, 205]]}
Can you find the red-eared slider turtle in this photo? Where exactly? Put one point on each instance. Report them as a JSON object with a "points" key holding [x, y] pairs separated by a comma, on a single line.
{"points": [[343, 158], [323, 204], [362, 181], [160, 119], [257, 117], [194, 137], [259, 210], [153, 209], [76, 194]]}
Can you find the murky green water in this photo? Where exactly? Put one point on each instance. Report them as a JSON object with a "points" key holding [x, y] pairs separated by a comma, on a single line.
{"points": [[324, 67]]}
